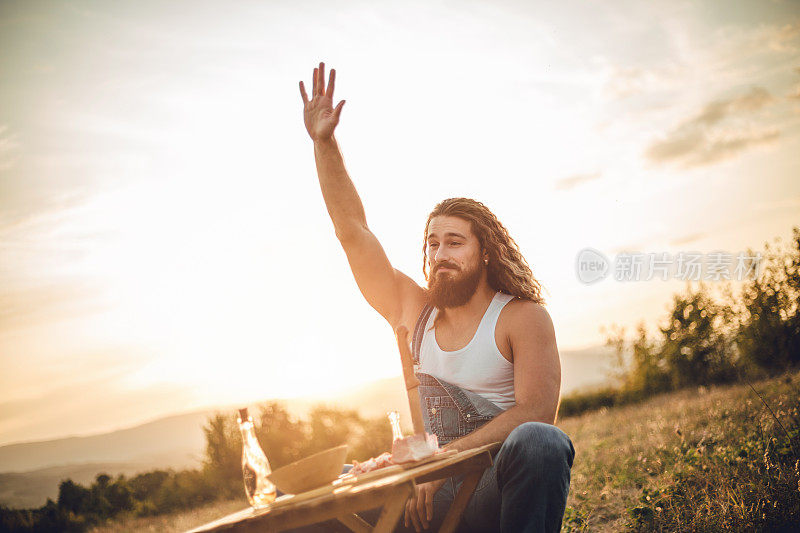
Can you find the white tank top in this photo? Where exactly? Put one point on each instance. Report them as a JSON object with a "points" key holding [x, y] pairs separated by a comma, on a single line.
{"points": [[479, 366]]}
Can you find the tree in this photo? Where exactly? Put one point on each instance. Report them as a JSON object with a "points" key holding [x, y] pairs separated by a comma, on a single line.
{"points": [[119, 495], [649, 373], [283, 438], [148, 483], [694, 347], [223, 462], [73, 497], [770, 326], [331, 427]]}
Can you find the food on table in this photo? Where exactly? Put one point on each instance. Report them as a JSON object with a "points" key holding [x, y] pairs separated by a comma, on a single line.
{"points": [[414, 448], [374, 463], [406, 450]]}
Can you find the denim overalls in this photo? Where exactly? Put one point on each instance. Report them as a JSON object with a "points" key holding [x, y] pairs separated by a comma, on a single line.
{"points": [[532, 466], [449, 411]]}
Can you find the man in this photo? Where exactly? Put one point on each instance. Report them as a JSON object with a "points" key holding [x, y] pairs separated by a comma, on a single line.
{"points": [[482, 328]]}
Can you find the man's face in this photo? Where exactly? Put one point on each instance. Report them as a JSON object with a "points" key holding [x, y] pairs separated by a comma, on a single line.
{"points": [[454, 261]]}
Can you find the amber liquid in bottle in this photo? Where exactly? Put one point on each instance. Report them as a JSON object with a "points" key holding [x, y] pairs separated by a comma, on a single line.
{"points": [[255, 467]]}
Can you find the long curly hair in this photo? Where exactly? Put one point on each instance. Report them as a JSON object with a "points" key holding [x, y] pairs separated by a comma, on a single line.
{"points": [[508, 271]]}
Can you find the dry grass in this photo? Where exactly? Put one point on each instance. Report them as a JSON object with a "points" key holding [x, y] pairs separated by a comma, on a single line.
{"points": [[173, 523], [705, 459], [701, 459]]}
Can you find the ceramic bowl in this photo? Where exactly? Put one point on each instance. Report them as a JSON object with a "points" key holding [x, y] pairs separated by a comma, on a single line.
{"points": [[311, 472]]}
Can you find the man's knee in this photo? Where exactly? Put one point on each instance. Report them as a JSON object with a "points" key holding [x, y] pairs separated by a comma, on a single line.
{"points": [[538, 443]]}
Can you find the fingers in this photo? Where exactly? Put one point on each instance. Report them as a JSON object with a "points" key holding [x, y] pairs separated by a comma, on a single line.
{"points": [[331, 84], [338, 110], [303, 93], [411, 514], [421, 509], [428, 506], [318, 87], [321, 79]]}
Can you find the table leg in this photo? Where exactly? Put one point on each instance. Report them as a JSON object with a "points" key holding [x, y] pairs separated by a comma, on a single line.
{"points": [[393, 508], [460, 502], [355, 523]]}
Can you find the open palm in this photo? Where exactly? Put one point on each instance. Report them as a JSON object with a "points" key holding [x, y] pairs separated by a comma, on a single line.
{"points": [[319, 114]]}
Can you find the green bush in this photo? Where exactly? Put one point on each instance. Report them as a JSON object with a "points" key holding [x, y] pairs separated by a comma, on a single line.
{"points": [[707, 338]]}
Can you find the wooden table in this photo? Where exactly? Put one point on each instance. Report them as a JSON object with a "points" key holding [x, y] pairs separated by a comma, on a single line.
{"points": [[388, 488]]}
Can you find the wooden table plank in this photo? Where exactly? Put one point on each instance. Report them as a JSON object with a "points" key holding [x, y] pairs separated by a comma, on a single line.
{"points": [[309, 511], [343, 498], [392, 510], [453, 516], [355, 523], [476, 463]]}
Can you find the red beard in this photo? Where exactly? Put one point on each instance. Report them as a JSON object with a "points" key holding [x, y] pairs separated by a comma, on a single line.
{"points": [[453, 288]]}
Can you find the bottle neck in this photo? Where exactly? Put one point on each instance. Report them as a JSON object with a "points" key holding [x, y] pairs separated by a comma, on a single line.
{"points": [[251, 449], [248, 431]]}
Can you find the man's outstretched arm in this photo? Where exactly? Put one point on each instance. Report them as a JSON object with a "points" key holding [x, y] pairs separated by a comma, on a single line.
{"points": [[386, 289]]}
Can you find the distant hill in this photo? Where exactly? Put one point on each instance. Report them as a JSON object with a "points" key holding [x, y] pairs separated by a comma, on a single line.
{"points": [[586, 368], [31, 489], [32, 470], [174, 440]]}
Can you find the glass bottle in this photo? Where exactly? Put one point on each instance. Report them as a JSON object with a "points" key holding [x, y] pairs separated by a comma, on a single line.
{"points": [[394, 420], [255, 467]]}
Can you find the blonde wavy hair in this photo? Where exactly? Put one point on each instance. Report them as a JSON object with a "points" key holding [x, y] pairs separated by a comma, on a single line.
{"points": [[507, 270]]}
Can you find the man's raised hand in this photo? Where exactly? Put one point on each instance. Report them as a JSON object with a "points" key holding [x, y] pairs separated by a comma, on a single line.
{"points": [[318, 113]]}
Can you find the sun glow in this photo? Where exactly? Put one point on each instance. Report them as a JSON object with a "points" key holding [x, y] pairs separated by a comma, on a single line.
{"points": [[163, 241]]}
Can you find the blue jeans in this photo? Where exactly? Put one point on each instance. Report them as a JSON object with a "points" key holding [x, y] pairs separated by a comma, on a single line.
{"points": [[525, 489]]}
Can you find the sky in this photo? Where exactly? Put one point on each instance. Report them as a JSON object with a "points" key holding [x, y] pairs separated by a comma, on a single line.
{"points": [[164, 245]]}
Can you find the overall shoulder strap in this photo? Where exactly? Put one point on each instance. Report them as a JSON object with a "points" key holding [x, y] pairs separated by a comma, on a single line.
{"points": [[419, 331]]}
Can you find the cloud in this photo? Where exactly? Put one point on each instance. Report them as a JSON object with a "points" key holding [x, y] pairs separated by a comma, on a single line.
{"points": [[573, 181], [714, 112], [632, 247], [699, 149], [737, 42], [783, 39], [716, 133], [625, 81], [718, 56], [9, 148], [26, 306], [686, 239]]}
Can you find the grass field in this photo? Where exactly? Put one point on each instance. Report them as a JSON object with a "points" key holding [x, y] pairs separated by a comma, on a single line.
{"points": [[704, 459], [176, 522]]}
